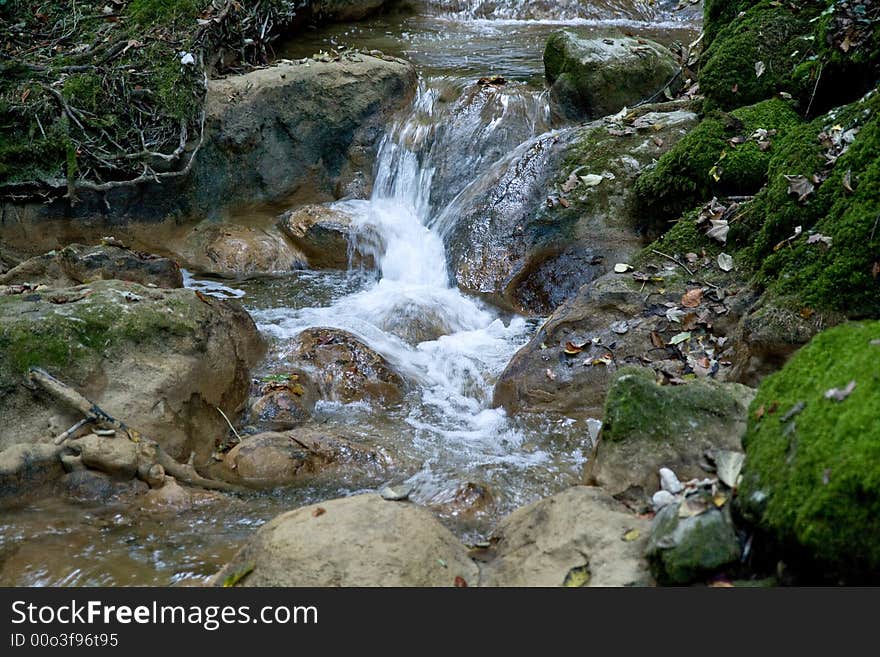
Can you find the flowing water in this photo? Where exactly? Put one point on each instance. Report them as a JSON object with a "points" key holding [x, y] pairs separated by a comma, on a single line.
{"points": [[444, 438]]}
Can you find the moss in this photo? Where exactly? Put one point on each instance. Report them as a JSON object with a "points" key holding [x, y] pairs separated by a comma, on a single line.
{"points": [[684, 237], [823, 52], [840, 277], [37, 332], [83, 91], [812, 473], [705, 163], [637, 406]]}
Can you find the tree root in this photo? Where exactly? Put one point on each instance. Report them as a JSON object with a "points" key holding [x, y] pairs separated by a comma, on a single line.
{"points": [[150, 451]]}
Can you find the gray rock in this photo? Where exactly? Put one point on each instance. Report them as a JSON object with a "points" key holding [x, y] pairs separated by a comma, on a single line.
{"points": [[669, 482]]}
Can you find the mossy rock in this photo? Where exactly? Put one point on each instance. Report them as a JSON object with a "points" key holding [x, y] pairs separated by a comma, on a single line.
{"points": [[812, 472], [841, 277], [820, 51], [707, 163], [649, 426]]}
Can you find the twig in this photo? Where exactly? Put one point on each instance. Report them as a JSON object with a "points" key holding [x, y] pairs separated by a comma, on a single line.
{"points": [[815, 87], [228, 422], [76, 427], [675, 260]]}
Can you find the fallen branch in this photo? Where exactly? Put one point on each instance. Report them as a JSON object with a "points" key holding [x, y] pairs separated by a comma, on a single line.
{"points": [[94, 413]]}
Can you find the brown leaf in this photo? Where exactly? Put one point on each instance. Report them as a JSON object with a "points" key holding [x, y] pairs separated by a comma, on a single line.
{"points": [[759, 413], [657, 340], [572, 349], [320, 511], [875, 270], [692, 298], [564, 202], [460, 582]]}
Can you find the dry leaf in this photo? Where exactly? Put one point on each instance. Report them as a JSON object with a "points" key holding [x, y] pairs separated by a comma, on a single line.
{"points": [[680, 337], [320, 511], [631, 535], [460, 582], [657, 340], [692, 298], [719, 230], [800, 186], [622, 268], [847, 180], [550, 374], [759, 69], [725, 262], [838, 394]]}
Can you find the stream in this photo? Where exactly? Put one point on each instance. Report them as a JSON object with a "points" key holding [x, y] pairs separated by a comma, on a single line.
{"points": [[468, 462]]}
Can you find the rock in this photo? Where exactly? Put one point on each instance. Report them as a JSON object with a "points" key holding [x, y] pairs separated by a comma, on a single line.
{"points": [[593, 77], [163, 361], [467, 501], [116, 456], [540, 544], [649, 427], [269, 459], [811, 478], [296, 131], [284, 403], [232, 251], [669, 482], [356, 541], [345, 10], [324, 235], [93, 486], [556, 241], [396, 493], [76, 264], [25, 467], [171, 497], [662, 498], [344, 368], [685, 550]]}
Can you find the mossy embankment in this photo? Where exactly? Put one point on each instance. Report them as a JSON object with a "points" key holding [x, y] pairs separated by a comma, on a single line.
{"points": [[94, 96]]}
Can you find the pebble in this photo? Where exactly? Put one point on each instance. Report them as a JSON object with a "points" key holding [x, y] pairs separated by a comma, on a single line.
{"points": [[396, 493], [669, 482], [662, 498]]}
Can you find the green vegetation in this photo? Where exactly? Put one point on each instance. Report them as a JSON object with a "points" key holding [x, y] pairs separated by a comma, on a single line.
{"points": [[812, 473]]}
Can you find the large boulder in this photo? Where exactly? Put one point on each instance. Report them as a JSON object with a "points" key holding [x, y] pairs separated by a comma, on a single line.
{"points": [[76, 264], [594, 76], [344, 368], [234, 251], [555, 213], [325, 235], [163, 361], [811, 477], [648, 426], [580, 537], [356, 541], [298, 130]]}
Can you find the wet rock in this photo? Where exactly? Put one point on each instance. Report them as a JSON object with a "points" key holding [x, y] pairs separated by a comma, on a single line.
{"points": [[278, 459], [685, 550], [650, 428], [76, 264], [592, 77], [467, 501], [324, 235], [396, 493], [555, 213], [95, 486], [285, 402], [116, 456], [25, 467], [811, 479], [344, 368], [231, 251], [161, 360], [356, 541], [303, 131], [345, 10], [581, 536], [171, 497]]}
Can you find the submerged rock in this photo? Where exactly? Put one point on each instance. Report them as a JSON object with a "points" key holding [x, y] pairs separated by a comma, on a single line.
{"points": [[344, 368], [811, 473], [161, 360], [356, 541], [233, 251], [592, 77], [683, 550], [267, 460], [580, 537], [649, 427], [76, 264]]}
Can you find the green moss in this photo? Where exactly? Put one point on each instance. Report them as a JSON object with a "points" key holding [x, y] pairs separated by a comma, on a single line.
{"points": [[718, 14], [636, 406], [83, 91], [812, 478], [705, 163]]}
